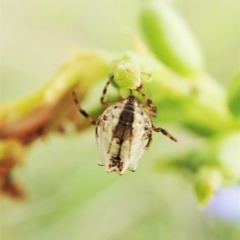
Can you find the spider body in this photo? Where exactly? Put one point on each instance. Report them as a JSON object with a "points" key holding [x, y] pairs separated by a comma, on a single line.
{"points": [[123, 133]]}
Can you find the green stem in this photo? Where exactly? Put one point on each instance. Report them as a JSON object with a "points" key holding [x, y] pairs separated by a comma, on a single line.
{"points": [[198, 104]]}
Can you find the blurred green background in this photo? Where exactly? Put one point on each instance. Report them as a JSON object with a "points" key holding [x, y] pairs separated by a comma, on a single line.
{"points": [[68, 195]]}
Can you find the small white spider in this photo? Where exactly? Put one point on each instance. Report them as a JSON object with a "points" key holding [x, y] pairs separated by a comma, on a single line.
{"points": [[123, 131]]}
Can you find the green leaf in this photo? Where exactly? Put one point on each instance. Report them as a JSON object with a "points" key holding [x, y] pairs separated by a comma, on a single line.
{"points": [[170, 38]]}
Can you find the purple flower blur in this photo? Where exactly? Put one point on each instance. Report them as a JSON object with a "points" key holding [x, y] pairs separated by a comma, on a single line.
{"points": [[226, 204]]}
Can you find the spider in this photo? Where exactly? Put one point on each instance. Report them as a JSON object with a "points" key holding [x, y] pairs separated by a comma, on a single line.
{"points": [[123, 131]]}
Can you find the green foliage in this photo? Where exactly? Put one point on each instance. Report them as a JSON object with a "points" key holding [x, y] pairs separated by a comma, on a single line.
{"points": [[176, 82], [207, 182], [234, 95], [194, 101], [68, 195], [202, 109], [170, 38]]}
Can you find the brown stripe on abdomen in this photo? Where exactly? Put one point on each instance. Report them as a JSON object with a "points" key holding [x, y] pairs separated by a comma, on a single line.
{"points": [[124, 129]]}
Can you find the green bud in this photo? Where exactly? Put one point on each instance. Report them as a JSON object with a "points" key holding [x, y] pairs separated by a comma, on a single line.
{"points": [[130, 71], [207, 181], [170, 39], [234, 96], [127, 75]]}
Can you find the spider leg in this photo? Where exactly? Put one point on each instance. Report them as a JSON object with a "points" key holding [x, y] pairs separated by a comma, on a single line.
{"points": [[81, 111], [164, 132], [152, 108], [102, 99]]}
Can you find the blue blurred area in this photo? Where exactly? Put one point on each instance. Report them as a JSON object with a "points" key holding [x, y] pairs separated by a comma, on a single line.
{"points": [[226, 204]]}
